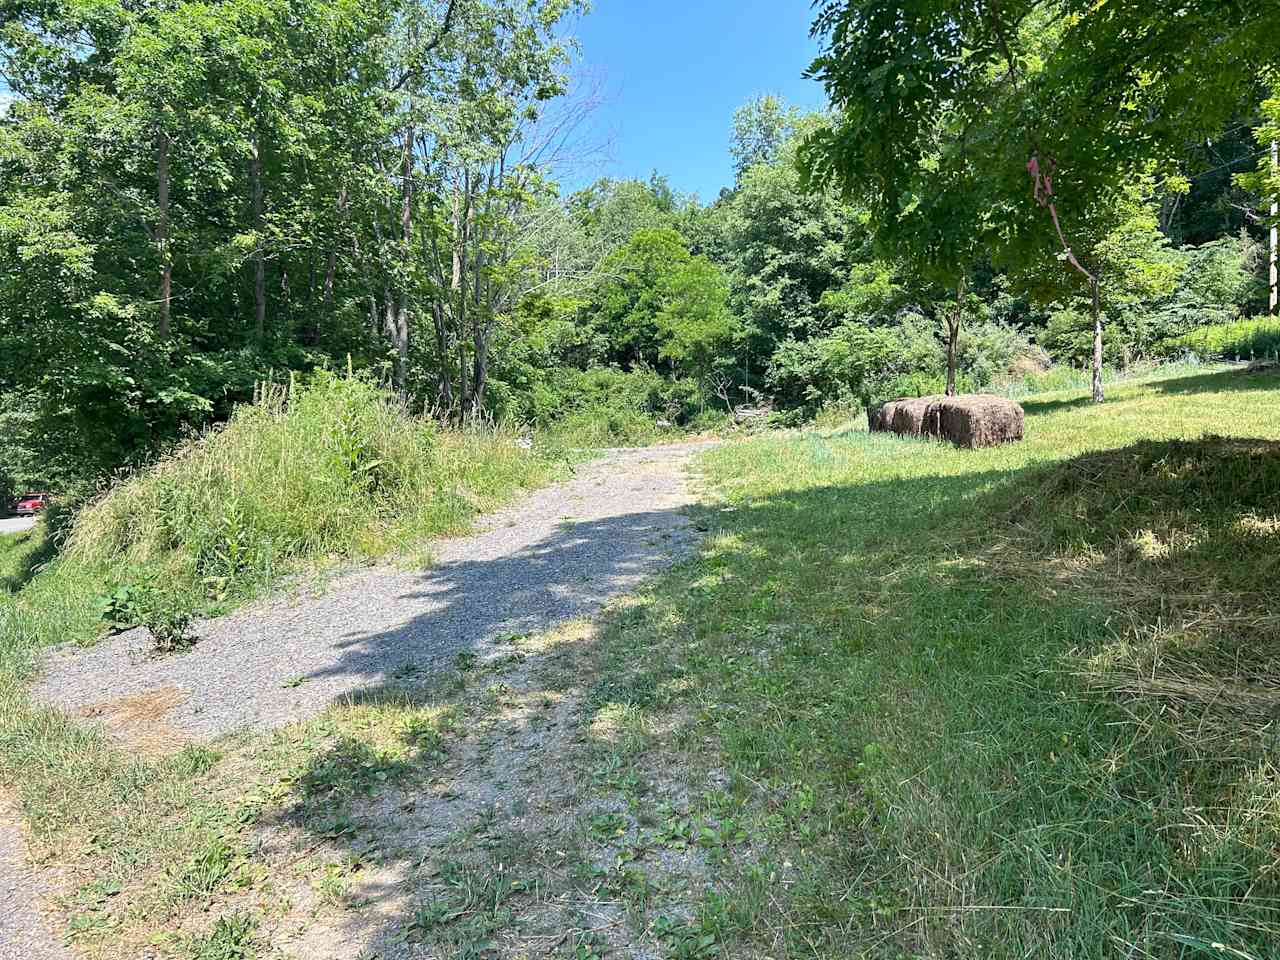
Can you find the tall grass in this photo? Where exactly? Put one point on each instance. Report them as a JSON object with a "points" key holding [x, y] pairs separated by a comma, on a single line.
{"points": [[1257, 338], [310, 473]]}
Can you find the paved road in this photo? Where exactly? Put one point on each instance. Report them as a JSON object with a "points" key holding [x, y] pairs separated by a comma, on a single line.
{"points": [[16, 524]]}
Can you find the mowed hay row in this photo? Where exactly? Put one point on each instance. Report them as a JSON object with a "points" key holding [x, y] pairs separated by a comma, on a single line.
{"points": [[1182, 540]]}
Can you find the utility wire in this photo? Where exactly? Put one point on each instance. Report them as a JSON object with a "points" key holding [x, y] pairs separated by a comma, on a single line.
{"points": [[1230, 163]]}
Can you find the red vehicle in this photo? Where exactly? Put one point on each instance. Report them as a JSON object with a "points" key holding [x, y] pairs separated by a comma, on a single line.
{"points": [[31, 503]]}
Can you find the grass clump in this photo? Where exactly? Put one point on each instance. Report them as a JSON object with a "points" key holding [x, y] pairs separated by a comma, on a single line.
{"points": [[232, 938], [325, 470], [22, 555], [332, 467]]}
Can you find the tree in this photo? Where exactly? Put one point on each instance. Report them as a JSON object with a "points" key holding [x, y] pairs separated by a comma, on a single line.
{"points": [[1066, 104], [198, 194], [694, 321], [761, 127], [784, 249]]}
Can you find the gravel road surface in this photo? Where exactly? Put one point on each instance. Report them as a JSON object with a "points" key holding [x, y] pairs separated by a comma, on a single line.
{"points": [[560, 553], [16, 524], [24, 935]]}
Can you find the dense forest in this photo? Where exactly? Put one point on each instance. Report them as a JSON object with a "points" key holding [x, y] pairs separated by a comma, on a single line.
{"points": [[199, 196]]}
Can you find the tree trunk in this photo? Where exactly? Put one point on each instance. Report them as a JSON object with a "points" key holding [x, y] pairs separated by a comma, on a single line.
{"points": [[162, 232], [259, 259], [331, 267], [458, 285], [445, 387], [400, 332], [479, 376], [953, 337], [1097, 341]]}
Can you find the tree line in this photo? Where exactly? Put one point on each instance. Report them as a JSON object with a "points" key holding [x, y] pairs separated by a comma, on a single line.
{"points": [[201, 195]]}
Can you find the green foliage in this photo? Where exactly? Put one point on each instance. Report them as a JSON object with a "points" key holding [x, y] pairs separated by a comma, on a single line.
{"points": [[167, 614], [605, 407], [121, 608], [761, 128], [232, 154], [232, 938], [857, 364], [1026, 132], [656, 301], [1264, 181], [1253, 339]]}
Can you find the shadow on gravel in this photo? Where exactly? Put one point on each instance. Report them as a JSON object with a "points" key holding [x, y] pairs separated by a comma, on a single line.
{"points": [[287, 663], [468, 605]]}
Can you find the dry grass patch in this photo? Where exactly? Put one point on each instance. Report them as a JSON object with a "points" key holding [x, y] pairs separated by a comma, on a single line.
{"points": [[1180, 541]]}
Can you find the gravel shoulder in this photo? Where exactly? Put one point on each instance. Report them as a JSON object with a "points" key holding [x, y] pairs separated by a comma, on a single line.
{"points": [[559, 554], [24, 934]]}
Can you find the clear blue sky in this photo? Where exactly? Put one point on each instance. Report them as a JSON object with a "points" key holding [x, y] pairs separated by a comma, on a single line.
{"points": [[674, 71]]}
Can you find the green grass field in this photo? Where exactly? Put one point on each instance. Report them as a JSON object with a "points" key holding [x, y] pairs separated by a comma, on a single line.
{"points": [[912, 702], [1010, 703]]}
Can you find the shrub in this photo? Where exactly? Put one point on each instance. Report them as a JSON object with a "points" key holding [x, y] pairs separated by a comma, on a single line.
{"points": [[167, 616], [232, 938], [605, 405], [857, 364]]}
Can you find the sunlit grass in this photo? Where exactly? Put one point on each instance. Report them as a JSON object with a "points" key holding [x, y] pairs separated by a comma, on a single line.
{"points": [[982, 704]]}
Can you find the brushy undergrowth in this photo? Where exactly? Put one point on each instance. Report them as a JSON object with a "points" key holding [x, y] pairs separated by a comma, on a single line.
{"points": [[327, 470], [332, 468], [1255, 338]]}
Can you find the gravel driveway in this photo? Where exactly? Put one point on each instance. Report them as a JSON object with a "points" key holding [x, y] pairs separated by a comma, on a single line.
{"points": [[24, 935], [560, 553], [16, 524]]}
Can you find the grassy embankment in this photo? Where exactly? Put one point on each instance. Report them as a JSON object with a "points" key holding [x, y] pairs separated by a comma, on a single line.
{"points": [[336, 472], [909, 701]]}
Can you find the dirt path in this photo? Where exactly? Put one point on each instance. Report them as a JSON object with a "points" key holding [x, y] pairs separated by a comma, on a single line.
{"points": [[560, 553], [24, 934]]}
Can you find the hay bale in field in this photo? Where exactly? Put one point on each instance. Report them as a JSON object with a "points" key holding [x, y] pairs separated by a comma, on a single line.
{"points": [[979, 420], [974, 420], [914, 417]]}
